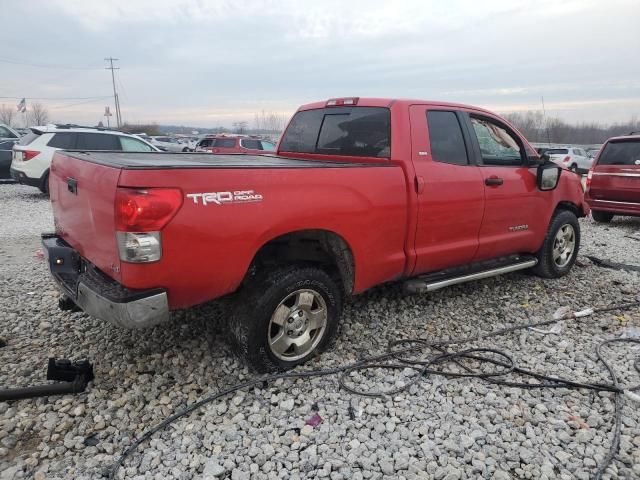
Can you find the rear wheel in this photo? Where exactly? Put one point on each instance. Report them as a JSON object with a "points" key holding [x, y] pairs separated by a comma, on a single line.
{"points": [[601, 217], [560, 247], [284, 317], [44, 186], [185, 149]]}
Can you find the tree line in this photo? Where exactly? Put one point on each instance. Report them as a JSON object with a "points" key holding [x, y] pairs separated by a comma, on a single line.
{"points": [[533, 126], [37, 114]]}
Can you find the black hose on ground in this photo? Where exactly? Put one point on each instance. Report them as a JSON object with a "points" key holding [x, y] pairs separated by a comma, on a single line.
{"points": [[397, 351]]}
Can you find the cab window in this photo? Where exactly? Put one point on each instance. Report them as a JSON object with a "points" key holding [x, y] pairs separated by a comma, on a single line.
{"points": [[498, 146], [445, 137]]}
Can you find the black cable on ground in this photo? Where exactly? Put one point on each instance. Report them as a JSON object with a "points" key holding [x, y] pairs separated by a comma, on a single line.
{"points": [[398, 351]]}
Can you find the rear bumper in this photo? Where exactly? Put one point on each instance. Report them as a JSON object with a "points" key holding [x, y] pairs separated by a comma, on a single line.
{"points": [[99, 295], [22, 178], [619, 208]]}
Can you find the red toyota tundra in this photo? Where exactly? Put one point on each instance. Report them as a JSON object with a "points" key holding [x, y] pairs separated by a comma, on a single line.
{"points": [[360, 192]]}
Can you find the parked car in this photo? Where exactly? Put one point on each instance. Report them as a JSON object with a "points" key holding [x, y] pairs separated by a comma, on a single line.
{"points": [[33, 153], [575, 159], [169, 144], [8, 138], [592, 152], [613, 184], [361, 192], [239, 144]]}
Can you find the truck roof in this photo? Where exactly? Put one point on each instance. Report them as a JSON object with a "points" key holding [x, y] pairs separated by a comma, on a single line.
{"points": [[389, 102], [158, 160]]}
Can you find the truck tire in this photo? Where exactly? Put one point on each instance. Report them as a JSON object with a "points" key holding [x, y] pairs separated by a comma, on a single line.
{"points": [[44, 186], [285, 316], [601, 217], [560, 247]]}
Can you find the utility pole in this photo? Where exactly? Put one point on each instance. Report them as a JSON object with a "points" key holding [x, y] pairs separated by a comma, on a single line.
{"points": [[546, 124], [115, 94]]}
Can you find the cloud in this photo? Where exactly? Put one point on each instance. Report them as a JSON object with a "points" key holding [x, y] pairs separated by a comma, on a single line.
{"points": [[214, 59]]}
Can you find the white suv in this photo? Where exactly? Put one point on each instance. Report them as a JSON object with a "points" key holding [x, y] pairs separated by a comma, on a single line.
{"points": [[32, 155], [575, 159]]}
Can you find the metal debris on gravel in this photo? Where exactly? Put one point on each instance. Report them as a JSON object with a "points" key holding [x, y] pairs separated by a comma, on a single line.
{"points": [[440, 429]]}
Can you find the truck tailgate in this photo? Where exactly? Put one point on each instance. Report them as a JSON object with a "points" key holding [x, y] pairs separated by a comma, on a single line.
{"points": [[83, 198]]}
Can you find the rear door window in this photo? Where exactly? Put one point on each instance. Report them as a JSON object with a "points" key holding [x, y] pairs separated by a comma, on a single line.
{"points": [[64, 140], [445, 137], [354, 131], [251, 144], [225, 143], [621, 153], [98, 141]]}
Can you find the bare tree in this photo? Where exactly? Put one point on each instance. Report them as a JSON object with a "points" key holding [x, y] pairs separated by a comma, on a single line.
{"points": [[240, 127], [38, 114], [6, 114], [269, 122]]}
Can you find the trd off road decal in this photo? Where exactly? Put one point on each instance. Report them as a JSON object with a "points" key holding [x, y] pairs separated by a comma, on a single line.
{"points": [[220, 198]]}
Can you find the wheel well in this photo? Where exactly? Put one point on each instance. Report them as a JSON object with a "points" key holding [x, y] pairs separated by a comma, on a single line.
{"points": [[572, 207], [318, 247]]}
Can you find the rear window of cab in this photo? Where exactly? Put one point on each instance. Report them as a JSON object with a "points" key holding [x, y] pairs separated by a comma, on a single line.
{"points": [[347, 131]]}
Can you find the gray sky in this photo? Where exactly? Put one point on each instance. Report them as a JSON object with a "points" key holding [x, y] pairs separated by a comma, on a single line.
{"points": [[209, 63]]}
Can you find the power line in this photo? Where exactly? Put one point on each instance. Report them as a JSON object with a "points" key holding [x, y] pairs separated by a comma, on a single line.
{"points": [[41, 65], [59, 98], [115, 94]]}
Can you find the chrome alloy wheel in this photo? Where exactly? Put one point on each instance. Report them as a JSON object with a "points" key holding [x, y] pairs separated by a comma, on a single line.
{"points": [[563, 245], [297, 325]]}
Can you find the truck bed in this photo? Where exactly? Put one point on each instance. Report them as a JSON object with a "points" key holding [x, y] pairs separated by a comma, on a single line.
{"points": [[207, 248], [156, 160]]}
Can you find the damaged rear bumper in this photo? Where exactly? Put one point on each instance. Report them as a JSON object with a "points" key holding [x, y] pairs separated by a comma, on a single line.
{"points": [[99, 295]]}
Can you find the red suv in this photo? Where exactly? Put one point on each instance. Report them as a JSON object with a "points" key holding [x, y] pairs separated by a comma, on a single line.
{"points": [[613, 184], [239, 144]]}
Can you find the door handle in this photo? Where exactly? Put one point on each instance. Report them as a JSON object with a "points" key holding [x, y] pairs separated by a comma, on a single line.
{"points": [[493, 181]]}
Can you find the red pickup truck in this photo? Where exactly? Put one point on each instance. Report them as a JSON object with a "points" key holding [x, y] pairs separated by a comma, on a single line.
{"points": [[360, 192]]}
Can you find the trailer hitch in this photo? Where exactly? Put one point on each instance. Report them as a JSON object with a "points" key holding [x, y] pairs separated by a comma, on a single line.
{"points": [[73, 377]]}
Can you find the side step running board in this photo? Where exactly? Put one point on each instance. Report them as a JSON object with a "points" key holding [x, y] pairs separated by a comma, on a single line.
{"points": [[421, 285]]}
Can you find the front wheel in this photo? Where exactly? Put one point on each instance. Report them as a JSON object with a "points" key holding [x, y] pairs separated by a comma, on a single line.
{"points": [[601, 217], [284, 317], [560, 247]]}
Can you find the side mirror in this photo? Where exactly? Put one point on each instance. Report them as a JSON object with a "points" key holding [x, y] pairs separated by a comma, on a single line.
{"points": [[548, 176]]}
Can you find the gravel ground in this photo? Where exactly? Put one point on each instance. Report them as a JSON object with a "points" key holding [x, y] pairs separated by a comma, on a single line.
{"points": [[441, 428]]}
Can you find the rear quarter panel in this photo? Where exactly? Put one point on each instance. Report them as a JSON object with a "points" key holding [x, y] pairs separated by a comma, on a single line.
{"points": [[207, 249]]}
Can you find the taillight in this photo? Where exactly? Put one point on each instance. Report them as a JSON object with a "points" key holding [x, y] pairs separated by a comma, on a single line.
{"points": [[566, 159], [29, 154], [146, 210], [589, 177], [342, 102]]}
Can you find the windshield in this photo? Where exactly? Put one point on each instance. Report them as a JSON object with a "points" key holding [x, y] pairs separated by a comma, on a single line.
{"points": [[354, 131]]}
